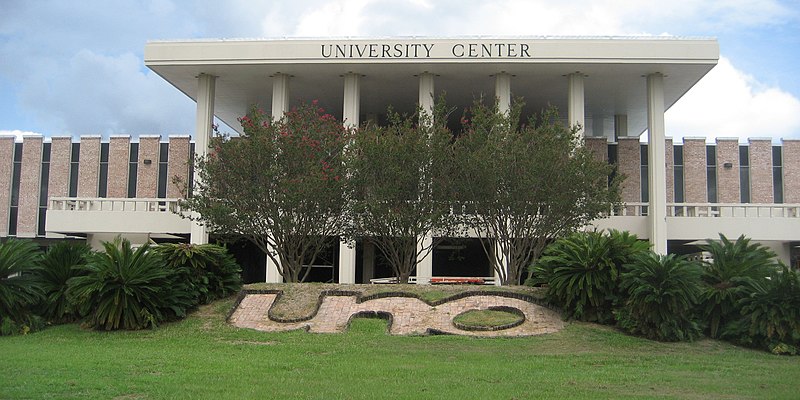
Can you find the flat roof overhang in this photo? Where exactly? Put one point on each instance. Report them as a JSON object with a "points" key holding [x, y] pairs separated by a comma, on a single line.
{"points": [[615, 70]]}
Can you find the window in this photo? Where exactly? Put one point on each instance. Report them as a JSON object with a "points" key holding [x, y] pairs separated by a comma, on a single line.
{"points": [[15, 182], [73, 169], [163, 179], [102, 185], [711, 173], [677, 157], [43, 189], [133, 168], [777, 174], [644, 173], [744, 174]]}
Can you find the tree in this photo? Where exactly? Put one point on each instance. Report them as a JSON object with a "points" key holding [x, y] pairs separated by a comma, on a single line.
{"points": [[526, 185], [399, 180], [279, 185]]}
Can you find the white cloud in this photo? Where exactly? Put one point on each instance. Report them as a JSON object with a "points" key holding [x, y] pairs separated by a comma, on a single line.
{"points": [[18, 134], [730, 103]]}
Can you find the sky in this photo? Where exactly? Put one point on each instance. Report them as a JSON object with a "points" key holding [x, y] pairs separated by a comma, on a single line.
{"points": [[76, 67]]}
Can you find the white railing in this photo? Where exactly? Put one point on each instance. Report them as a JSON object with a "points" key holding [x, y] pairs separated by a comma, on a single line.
{"points": [[82, 204], [722, 210]]}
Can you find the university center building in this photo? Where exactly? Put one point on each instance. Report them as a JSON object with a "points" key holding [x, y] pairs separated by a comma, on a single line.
{"points": [[616, 89]]}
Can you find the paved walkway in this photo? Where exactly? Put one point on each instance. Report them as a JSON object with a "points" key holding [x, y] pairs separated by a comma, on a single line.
{"points": [[409, 315]]}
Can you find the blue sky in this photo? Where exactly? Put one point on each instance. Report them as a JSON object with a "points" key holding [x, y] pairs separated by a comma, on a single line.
{"points": [[73, 68]]}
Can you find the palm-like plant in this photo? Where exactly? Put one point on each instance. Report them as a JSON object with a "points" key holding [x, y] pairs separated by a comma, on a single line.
{"points": [[582, 272], [662, 293], [125, 288], [60, 263], [771, 314], [18, 290], [736, 270], [209, 270]]}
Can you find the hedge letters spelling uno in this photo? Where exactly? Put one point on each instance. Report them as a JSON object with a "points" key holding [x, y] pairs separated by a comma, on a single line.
{"points": [[425, 50]]}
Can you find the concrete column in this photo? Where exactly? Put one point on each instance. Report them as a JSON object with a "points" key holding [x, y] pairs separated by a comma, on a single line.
{"points": [[576, 102], [657, 217], [119, 148], [204, 119], [791, 170], [350, 113], [177, 163], [30, 180], [424, 264], [60, 153], [6, 169], [694, 170], [89, 166], [502, 91], [620, 126], [426, 93], [280, 95], [147, 171], [728, 178], [280, 105], [369, 261], [761, 190]]}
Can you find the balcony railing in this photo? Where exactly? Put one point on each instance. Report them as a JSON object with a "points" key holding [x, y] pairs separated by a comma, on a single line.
{"points": [[80, 204], [721, 210]]}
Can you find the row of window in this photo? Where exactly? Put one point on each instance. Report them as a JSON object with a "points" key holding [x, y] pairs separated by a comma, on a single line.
{"points": [[102, 184], [711, 174]]}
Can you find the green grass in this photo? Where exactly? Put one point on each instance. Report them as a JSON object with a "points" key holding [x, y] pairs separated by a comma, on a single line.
{"points": [[202, 357], [486, 318]]}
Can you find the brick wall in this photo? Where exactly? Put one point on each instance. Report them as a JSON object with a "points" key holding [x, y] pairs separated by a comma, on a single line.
{"points": [[118, 158], [669, 157], [89, 167], [694, 170], [60, 154], [629, 165], [178, 163], [6, 168], [30, 181], [791, 170], [147, 173], [761, 171], [728, 188]]}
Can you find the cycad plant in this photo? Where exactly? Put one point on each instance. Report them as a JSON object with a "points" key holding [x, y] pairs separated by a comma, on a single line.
{"points": [[18, 290], [208, 270], [661, 297], [61, 262], [771, 315], [737, 269], [582, 271], [127, 289]]}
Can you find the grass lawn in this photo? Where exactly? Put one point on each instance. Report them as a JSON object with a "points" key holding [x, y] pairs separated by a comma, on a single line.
{"points": [[202, 357]]}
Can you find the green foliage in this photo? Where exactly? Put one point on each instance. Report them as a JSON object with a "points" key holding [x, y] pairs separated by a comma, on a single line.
{"points": [[582, 272], [771, 315], [19, 292], [61, 262], [661, 294], [280, 185], [208, 271], [399, 180], [531, 183], [737, 270], [127, 289]]}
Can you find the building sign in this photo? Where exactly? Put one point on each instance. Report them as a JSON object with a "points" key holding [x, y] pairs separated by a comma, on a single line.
{"points": [[425, 50]]}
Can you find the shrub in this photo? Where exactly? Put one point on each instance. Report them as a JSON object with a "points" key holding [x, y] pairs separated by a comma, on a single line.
{"points": [[582, 272], [771, 315], [60, 263], [661, 296], [738, 268], [127, 289], [18, 290], [209, 271]]}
